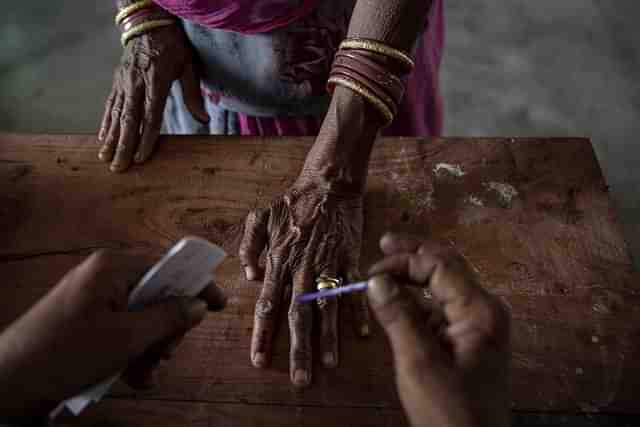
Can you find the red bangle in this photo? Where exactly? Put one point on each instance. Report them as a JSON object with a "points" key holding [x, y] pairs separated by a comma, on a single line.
{"points": [[388, 82], [367, 83]]}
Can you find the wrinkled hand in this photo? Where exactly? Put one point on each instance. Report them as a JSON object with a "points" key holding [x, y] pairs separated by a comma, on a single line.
{"points": [[81, 333], [452, 372], [312, 230], [135, 106]]}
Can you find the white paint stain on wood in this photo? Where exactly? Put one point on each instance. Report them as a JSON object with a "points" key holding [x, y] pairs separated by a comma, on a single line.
{"points": [[453, 170], [475, 200], [506, 192]]}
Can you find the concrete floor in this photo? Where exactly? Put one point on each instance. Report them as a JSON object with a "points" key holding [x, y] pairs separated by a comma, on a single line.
{"points": [[514, 68]]}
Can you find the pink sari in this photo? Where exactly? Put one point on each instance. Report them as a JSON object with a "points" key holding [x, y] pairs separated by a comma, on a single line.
{"points": [[421, 111]]}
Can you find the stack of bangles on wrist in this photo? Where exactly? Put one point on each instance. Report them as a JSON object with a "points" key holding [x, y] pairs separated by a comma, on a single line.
{"points": [[373, 70], [139, 18]]}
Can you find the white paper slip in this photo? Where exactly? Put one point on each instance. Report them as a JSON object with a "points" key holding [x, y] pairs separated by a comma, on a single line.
{"points": [[183, 272]]}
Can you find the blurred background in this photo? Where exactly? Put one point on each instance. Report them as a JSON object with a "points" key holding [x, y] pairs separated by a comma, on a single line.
{"points": [[511, 68]]}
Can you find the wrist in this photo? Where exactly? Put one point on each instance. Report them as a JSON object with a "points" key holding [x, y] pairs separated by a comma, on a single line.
{"points": [[140, 17], [340, 155]]}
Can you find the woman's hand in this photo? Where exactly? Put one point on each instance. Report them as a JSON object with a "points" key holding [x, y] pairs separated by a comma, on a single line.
{"points": [[135, 106], [313, 230], [81, 333], [451, 357]]}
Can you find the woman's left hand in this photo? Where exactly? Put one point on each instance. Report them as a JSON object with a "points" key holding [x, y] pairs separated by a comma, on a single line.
{"points": [[313, 230]]}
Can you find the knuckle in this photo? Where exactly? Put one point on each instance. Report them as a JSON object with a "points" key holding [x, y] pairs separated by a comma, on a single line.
{"points": [[123, 147], [115, 112], [299, 314], [392, 310], [300, 353], [126, 119], [246, 254], [265, 307]]}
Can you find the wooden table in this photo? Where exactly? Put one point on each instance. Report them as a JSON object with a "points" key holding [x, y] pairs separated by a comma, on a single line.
{"points": [[531, 216]]}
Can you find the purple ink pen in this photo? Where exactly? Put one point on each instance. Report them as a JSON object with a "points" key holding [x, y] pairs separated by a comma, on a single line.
{"points": [[347, 289]]}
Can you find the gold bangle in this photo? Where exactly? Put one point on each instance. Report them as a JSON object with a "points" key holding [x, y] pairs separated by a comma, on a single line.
{"points": [[144, 28], [133, 7], [366, 94], [377, 47]]}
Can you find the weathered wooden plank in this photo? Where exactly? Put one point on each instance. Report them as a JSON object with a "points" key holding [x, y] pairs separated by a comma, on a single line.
{"points": [[553, 251], [148, 413]]}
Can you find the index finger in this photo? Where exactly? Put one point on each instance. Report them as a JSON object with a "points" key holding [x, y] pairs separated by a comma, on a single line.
{"points": [[108, 272], [445, 271]]}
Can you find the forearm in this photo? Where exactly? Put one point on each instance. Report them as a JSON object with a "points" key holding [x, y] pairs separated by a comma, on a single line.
{"points": [[351, 125]]}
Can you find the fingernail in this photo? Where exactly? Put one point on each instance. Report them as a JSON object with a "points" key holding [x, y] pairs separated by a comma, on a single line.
{"points": [[364, 331], [251, 273], [259, 360], [194, 310], [301, 377], [138, 158], [381, 290], [116, 167], [329, 359]]}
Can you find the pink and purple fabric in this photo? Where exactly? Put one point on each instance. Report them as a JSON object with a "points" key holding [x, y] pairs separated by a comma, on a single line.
{"points": [[265, 63]]}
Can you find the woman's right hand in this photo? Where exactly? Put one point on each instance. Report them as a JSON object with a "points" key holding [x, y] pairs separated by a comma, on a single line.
{"points": [[451, 357], [141, 84]]}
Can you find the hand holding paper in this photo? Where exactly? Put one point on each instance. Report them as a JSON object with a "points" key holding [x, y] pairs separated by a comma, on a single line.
{"points": [[82, 331]]}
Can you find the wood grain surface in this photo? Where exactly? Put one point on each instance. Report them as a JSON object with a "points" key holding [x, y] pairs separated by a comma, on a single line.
{"points": [[532, 217]]}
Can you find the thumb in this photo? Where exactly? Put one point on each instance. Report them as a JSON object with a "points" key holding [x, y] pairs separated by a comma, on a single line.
{"points": [[404, 321], [192, 94], [167, 319]]}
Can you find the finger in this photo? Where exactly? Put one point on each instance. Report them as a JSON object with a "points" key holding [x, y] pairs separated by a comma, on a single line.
{"points": [[300, 327], [163, 321], [155, 100], [404, 323], [266, 313], [129, 130], [192, 94], [106, 118], [139, 373], [253, 243], [359, 305], [486, 323], [328, 310], [451, 281], [396, 265], [393, 243], [113, 134], [109, 275], [170, 349], [214, 296]]}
